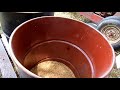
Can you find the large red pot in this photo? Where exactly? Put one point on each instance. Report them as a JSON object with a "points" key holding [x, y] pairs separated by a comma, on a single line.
{"points": [[82, 48]]}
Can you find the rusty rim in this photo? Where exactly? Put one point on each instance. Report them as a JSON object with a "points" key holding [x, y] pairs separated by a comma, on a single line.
{"points": [[112, 32]]}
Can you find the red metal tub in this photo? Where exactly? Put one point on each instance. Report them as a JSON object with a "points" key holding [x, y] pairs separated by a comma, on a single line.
{"points": [[82, 48]]}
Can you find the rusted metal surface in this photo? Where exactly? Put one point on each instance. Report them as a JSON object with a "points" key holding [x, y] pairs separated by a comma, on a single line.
{"points": [[92, 16], [6, 68]]}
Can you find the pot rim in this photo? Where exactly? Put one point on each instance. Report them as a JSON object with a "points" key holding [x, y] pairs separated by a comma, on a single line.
{"points": [[36, 76]]}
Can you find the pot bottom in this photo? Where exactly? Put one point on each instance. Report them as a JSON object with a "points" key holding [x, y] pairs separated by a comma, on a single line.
{"points": [[61, 51]]}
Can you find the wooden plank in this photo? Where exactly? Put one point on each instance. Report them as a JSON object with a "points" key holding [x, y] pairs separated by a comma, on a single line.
{"points": [[21, 73], [6, 68]]}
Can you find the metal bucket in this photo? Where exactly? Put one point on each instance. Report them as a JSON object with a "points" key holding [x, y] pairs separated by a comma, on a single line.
{"points": [[81, 47]]}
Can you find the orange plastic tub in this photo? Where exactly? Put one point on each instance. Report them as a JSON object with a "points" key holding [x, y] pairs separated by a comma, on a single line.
{"points": [[82, 48]]}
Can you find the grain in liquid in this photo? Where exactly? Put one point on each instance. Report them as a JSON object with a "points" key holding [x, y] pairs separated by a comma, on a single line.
{"points": [[52, 69]]}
